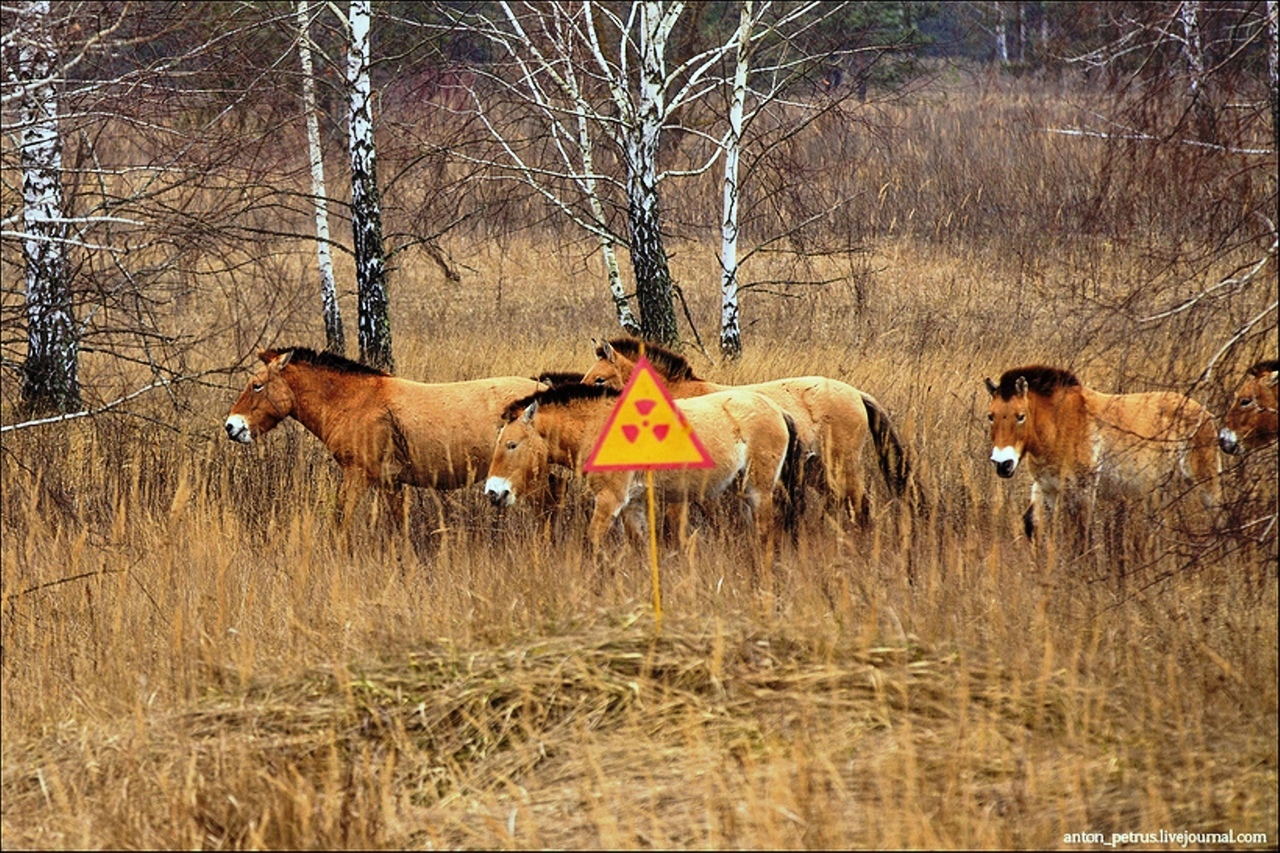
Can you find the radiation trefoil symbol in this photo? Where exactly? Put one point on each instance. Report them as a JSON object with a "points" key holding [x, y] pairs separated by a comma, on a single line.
{"points": [[646, 430]]}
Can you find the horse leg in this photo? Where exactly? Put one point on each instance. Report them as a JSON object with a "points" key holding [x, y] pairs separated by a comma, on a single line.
{"points": [[355, 482]]}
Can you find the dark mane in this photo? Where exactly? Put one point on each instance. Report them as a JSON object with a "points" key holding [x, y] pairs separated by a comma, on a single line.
{"points": [[556, 378], [667, 362], [331, 361], [1262, 368], [1041, 380], [559, 395]]}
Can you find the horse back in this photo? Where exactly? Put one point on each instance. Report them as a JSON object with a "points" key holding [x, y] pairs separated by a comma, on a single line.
{"points": [[1141, 437], [443, 433]]}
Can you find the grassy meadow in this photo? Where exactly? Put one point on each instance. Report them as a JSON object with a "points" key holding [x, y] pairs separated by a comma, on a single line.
{"points": [[192, 658]]}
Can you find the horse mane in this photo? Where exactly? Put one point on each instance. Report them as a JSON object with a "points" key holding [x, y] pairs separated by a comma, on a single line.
{"points": [[1265, 367], [329, 360], [555, 378], [1041, 380], [558, 395], [667, 362]]}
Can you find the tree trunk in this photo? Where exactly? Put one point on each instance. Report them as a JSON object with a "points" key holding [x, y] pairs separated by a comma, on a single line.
{"points": [[366, 215], [51, 372], [1002, 36], [730, 326], [335, 340], [1193, 49], [1273, 60], [648, 257]]}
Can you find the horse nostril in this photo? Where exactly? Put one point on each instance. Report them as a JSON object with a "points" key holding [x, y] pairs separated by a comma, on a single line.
{"points": [[1004, 468]]}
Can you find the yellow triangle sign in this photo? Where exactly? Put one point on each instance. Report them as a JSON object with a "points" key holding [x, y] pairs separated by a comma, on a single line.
{"points": [[646, 430]]}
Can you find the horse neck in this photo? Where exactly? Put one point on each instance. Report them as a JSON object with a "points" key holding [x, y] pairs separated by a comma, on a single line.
{"points": [[1052, 417], [314, 406], [572, 437]]}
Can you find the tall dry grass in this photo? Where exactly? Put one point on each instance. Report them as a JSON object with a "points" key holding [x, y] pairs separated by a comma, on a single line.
{"points": [[191, 657]]}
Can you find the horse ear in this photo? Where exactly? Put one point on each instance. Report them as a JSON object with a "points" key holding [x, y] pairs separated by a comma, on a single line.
{"points": [[1021, 386], [605, 351], [266, 355], [1273, 377], [283, 360], [992, 387], [529, 411]]}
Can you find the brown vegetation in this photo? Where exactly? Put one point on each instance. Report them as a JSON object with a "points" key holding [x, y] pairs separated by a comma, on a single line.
{"points": [[191, 658]]}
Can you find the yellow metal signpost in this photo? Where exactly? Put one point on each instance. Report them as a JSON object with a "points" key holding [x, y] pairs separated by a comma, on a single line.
{"points": [[645, 432]]}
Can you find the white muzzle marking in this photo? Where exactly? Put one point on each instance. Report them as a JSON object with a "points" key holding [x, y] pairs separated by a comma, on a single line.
{"points": [[499, 492], [238, 429], [1228, 440]]}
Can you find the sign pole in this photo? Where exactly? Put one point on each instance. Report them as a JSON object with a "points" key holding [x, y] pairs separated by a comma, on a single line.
{"points": [[653, 553]]}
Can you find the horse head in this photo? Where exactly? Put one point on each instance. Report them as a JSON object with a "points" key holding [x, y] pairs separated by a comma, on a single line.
{"points": [[1252, 419], [264, 402], [610, 370], [519, 463], [1008, 416]]}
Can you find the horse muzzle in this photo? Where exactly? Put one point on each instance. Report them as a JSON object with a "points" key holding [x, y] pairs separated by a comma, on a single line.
{"points": [[498, 490], [1006, 461], [1229, 443], [238, 429]]}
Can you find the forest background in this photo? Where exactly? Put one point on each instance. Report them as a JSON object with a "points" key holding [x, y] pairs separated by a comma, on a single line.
{"points": [[929, 194]]}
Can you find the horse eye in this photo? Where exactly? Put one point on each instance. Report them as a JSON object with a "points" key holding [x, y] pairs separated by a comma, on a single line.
{"points": [[599, 380], [991, 417], [1245, 402], [257, 388], [512, 445], [1022, 416]]}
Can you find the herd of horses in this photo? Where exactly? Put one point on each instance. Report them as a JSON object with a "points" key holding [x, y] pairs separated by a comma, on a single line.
{"points": [[769, 442]]}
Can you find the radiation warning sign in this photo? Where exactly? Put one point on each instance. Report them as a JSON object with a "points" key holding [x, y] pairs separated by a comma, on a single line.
{"points": [[646, 430]]}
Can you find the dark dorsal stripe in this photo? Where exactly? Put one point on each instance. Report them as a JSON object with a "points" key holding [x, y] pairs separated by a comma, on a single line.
{"points": [[1041, 380], [1264, 368], [328, 360], [667, 362], [560, 395]]}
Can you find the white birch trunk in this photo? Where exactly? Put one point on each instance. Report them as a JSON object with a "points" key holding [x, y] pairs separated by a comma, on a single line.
{"points": [[1002, 36], [51, 372], [1193, 50], [335, 340], [730, 327], [1273, 59], [366, 215], [648, 256]]}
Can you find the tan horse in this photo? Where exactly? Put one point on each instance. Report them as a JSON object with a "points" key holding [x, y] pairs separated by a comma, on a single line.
{"points": [[747, 436], [1251, 421], [384, 431], [1081, 444], [833, 419]]}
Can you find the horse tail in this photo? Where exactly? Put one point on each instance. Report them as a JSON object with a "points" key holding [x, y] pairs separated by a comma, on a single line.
{"points": [[792, 478], [892, 456]]}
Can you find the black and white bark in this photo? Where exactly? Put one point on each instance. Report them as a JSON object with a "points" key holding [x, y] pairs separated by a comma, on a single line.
{"points": [[366, 214], [1273, 61], [51, 369], [335, 340], [1002, 35], [730, 325], [648, 255]]}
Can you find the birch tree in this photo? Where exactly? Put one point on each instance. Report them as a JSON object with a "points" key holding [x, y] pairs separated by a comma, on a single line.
{"points": [[730, 327], [366, 216], [51, 370], [335, 340]]}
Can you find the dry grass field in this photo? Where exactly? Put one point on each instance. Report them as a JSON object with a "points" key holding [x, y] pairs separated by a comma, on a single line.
{"points": [[191, 658]]}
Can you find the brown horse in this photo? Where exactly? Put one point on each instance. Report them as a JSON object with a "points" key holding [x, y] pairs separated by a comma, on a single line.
{"points": [[748, 437], [384, 431], [1251, 421], [1081, 444], [832, 418]]}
